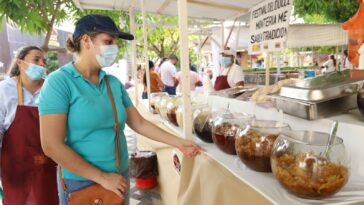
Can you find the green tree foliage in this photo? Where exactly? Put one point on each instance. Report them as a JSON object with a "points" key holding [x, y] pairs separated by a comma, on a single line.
{"points": [[37, 16], [329, 10], [40, 16], [163, 37], [52, 61]]}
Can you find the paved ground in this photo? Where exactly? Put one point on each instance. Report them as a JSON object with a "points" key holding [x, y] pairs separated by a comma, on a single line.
{"points": [[144, 197]]}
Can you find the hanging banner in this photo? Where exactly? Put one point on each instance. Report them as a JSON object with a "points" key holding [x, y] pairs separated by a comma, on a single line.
{"points": [[269, 22]]}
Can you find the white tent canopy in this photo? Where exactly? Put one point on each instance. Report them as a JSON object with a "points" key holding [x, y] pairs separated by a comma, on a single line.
{"points": [[201, 9]]}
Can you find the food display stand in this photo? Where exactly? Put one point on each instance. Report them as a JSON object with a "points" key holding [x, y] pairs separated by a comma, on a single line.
{"points": [[215, 178]]}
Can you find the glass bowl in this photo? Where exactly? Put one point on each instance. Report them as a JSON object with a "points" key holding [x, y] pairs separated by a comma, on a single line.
{"points": [[254, 143], [303, 167], [224, 128]]}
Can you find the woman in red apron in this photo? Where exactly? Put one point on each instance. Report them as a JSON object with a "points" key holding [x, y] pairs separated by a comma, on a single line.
{"points": [[232, 75], [28, 177]]}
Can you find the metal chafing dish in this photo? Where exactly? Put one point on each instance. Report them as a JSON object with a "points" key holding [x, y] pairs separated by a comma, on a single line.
{"points": [[319, 97], [236, 92]]}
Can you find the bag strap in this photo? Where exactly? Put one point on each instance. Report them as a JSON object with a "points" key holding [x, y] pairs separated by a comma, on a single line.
{"points": [[116, 125], [116, 128], [19, 87], [227, 74]]}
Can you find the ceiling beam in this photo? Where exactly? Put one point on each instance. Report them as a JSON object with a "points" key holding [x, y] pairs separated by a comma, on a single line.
{"points": [[78, 4], [164, 6], [218, 5]]}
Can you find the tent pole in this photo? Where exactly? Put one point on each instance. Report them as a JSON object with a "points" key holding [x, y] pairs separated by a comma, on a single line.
{"points": [[230, 32], [337, 58], [238, 36], [267, 72], [222, 36], [186, 92], [199, 52], [145, 51], [133, 54]]}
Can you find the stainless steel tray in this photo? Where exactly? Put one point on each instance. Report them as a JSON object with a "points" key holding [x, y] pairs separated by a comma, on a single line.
{"points": [[314, 110], [235, 92], [318, 94], [328, 80]]}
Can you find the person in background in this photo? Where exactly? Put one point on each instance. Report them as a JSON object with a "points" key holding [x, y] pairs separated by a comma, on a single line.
{"points": [[195, 79], [168, 74], [158, 68], [345, 63], [129, 83], [329, 65], [231, 74], [156, 84], [28, 177], [83, 111], [238, 59]]}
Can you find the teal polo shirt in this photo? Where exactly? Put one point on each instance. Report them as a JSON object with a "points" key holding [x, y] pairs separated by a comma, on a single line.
{"points": [[90, 123]]}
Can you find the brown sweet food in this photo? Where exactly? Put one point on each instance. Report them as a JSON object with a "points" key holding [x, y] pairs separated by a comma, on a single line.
{"points": [[172, 116], [203, 133], [255, 150], [309, 176], [224, 138]]}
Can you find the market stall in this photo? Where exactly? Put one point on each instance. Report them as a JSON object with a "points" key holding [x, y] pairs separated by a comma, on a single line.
{"points": [[216, 177]]}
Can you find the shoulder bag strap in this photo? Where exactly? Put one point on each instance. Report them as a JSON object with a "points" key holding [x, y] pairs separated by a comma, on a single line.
{"points": [[116, 128]]}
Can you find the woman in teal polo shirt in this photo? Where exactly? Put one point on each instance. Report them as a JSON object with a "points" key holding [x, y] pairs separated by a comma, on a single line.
{"points": [[77, 118]]}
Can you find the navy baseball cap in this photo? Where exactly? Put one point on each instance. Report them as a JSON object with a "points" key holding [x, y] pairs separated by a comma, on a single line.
{"points": [[98, 23]]}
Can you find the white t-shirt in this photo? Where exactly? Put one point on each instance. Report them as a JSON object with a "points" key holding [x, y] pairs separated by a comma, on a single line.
{"points": [[346, 64], [235, 75], [168, 73], [330, 66]]}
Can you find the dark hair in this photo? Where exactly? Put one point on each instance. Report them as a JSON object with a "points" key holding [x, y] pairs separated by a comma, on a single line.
{"points": [[14, 69], [346, 52], [162, 61], [173, 57], [151, 65], [332, 57], [74, 45]]}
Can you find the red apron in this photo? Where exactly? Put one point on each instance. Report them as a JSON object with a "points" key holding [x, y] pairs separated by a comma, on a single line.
{"points": [[28, 176], [221, 82]]}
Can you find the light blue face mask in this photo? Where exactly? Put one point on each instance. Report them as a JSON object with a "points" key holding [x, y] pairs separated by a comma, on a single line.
{"points": [[108, 55], [35, 72], [226, 61]]}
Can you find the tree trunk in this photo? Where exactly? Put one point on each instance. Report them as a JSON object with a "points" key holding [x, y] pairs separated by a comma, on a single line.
{"points": [[50, 27]]}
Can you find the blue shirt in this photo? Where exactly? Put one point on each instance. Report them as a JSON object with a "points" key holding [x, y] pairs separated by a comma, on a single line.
{"points": [[90, 123]]}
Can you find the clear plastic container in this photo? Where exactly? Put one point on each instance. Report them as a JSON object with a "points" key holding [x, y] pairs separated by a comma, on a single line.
{"points": [[202, 124], [154, 100], [254, 143], [303, 167], [224, 129], [180, 112], [161, 106], [172, 107]]}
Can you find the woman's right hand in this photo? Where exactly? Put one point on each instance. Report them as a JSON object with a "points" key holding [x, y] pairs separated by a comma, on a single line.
{"points": [[115, 183]]}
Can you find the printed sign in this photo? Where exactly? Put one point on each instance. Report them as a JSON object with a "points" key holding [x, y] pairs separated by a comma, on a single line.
{"points": [[269, 22]]}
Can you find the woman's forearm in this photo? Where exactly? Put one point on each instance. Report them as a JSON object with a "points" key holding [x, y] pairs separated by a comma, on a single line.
{"points": [[154, 132], [150, 130]]}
